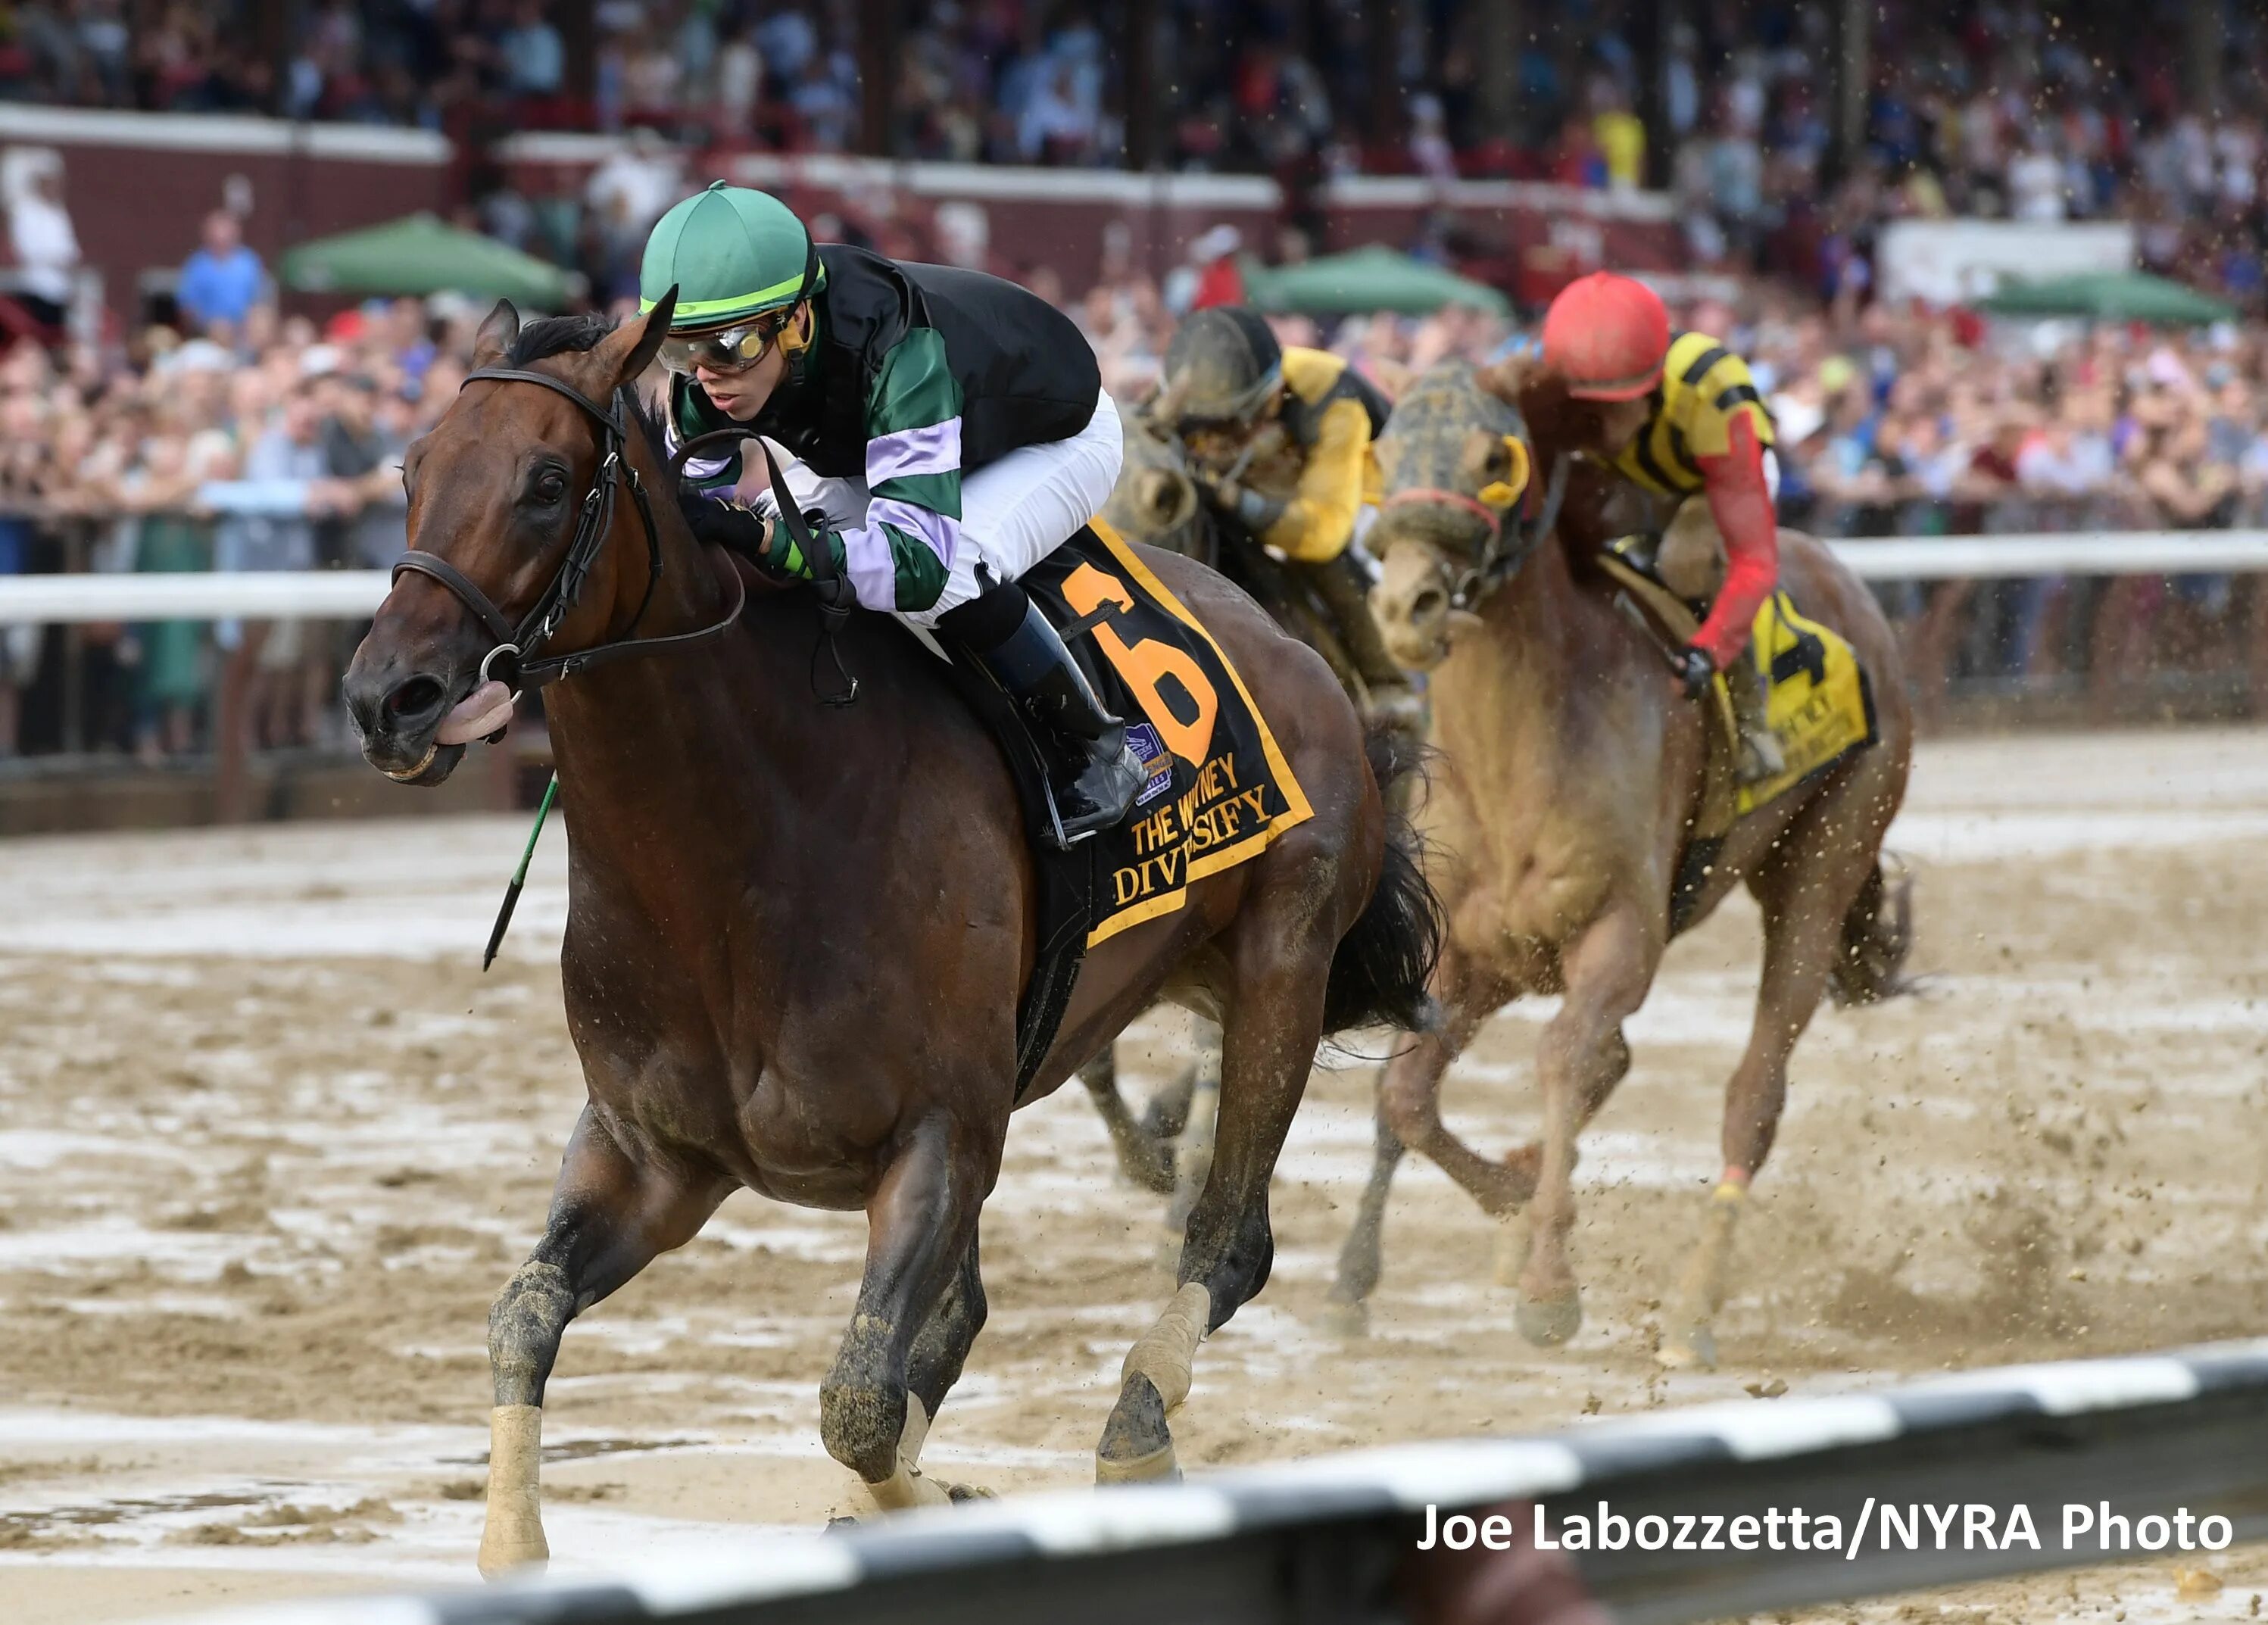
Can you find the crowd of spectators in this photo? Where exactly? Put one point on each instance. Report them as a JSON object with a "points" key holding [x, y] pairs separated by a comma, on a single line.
{"points": [[2018, 108], [266, 443], [1903, 423], [261, 444], [1993, 108]]}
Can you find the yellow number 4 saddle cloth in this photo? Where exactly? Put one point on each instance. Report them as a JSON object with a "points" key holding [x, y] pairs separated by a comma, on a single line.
{"points": [[1219, 790], [1819, 701]]}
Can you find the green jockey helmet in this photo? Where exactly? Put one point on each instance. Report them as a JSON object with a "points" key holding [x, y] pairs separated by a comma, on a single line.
{"points": [[732, 252]]}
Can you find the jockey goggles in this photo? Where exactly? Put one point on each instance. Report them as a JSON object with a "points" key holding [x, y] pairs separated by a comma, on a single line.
{"points": [[726, 349], [737, 348], [1238, 414]]}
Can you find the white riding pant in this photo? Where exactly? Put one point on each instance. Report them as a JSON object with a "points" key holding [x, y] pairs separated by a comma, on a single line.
{"points": [[1013, 512]]}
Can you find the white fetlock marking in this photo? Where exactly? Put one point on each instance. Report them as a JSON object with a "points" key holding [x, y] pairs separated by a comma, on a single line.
{"points": [[511, 1534], [1165, 1353], [906, 1487], [1701, 1291], [1511, 1248]]}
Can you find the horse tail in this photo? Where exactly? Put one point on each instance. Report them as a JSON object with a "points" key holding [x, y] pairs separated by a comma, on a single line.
{"points": [[1378, 974], [1877, 935]]}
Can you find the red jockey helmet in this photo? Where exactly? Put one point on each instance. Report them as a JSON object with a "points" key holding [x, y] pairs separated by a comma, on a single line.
{"points": [[1607, 336]]}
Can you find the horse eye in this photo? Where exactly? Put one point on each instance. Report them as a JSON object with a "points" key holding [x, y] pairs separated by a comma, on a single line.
{"points": [[550, 486]]}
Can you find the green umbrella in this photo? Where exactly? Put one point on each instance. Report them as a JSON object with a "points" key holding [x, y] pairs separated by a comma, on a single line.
{"points": [[2111, 296], [421, 254], [1369, 279]]}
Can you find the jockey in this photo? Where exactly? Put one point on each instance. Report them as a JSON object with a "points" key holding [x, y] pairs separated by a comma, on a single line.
{"points": [[1279, 440], [1680, 417], [948, 430]]}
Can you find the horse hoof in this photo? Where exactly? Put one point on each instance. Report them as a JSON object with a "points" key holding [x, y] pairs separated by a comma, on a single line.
{"points": [[1137, 1446], [1547, 1322], [1159, 1467], [1690, 1350], [1346, 1319]]}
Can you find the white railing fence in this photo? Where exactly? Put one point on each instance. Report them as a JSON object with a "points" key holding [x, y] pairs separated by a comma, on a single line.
{"points": [[351, 594], [1899, 1490]]}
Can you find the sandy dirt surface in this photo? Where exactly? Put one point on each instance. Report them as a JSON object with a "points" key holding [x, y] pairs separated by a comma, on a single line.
{"points": [[268, 1144]]}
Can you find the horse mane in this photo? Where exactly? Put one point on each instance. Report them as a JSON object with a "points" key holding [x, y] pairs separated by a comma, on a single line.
{"points": [[557, 335], [1557, 422], [569, 335], [1557, 425]]}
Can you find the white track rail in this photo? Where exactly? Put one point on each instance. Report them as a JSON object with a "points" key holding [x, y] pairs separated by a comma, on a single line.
{"points": [[1320, 1541], [353, 594]]}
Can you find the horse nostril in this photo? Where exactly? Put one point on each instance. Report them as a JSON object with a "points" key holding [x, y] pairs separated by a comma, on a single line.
{"points": [[1429, 605], [414, 698]]}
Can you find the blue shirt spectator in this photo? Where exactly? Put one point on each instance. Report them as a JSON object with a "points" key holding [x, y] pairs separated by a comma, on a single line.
{"points": [[223, 280], [535, 56]]}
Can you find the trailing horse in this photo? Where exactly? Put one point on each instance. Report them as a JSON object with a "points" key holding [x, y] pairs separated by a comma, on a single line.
{"points": [[796, 935], [1562, 818], [1169, 1146]]}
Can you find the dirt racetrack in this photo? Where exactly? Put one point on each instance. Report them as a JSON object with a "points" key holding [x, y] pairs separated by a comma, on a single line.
{"points": [[268, 1144]]}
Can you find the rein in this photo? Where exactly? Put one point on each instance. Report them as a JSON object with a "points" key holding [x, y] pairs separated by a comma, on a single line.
{"points": [[513, 659], [837, 597]]}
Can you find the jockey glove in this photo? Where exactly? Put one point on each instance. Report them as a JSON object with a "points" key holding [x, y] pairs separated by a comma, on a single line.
{"points": [[1695, 668], [1256, 512], [729, 525]]}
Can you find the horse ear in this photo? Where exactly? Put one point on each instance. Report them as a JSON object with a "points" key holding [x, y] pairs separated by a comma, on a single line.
{"points": [[494, 340], [630, 348]]}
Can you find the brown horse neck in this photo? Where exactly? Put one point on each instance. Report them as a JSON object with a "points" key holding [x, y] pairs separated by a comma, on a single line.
{"points": [[652, 735]]}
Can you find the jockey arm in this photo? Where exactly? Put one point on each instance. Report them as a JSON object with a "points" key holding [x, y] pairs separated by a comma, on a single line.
{"points": [[1740, 501], [899, 557], [1318, 522]]}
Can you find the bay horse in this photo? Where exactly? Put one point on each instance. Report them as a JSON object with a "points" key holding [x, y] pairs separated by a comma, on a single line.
{"points": [[1568, 779], [1168, 1147], [796, 934]]}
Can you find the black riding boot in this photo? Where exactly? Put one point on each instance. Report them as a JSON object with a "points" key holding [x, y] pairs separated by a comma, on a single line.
{"points": [[1094, 773]]}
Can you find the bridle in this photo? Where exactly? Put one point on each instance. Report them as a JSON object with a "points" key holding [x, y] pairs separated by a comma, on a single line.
{"points": [[513, 660], [1497, 560]]}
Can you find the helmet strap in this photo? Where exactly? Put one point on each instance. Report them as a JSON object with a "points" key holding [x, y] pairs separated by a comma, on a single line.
{"points": [[795, 338]]}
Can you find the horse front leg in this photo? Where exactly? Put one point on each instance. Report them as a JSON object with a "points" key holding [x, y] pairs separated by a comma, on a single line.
{"points": [[1467, 992], [921, 1235], [1192, 1142], [1608, 966], [1812, 881], [611, 1215], [1274, 1023]]}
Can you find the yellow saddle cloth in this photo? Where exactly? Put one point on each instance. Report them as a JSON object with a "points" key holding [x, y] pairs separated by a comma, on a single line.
{"points": [[1818, 699]]}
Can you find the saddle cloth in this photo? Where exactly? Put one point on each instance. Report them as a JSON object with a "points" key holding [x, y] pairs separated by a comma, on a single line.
{"points": [[1818, 699], [1220, 793]]}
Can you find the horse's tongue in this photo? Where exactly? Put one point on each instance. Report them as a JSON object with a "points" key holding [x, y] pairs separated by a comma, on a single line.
{"points": [[477, 715]]}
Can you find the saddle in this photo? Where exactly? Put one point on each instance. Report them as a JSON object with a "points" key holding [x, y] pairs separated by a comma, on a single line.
{"points": [[1220, 793], [1820, 702]]}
